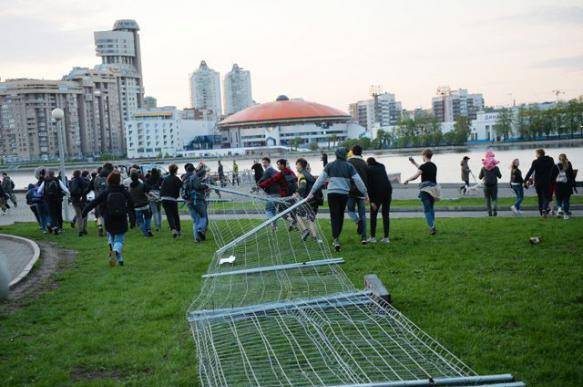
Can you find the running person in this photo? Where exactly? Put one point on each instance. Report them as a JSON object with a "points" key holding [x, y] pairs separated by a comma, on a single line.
{"points": [[428, 189], [380, 192]]}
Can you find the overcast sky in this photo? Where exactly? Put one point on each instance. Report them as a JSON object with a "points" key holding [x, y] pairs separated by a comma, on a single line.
{"points": [[329, 51]]}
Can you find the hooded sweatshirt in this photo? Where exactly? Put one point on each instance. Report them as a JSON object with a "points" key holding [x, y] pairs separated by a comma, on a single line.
{"points": [[279, 179], [339, 174]]}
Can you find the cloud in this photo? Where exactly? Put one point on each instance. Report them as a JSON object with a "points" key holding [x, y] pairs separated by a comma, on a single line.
{"points": [[548, 15], [567, 63]]}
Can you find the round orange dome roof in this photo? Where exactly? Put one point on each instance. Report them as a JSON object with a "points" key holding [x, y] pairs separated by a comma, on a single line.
{"points": [[284, 110]]}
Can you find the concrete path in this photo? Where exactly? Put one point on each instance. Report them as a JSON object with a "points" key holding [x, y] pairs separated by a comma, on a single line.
{"points": [[18, 255]]}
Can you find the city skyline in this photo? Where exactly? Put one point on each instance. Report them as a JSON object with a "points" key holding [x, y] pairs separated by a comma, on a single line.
{"points": [[507, 51]]}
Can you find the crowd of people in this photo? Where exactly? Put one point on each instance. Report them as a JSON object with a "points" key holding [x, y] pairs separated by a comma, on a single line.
{"points": [[123, 198], [548, 177]]}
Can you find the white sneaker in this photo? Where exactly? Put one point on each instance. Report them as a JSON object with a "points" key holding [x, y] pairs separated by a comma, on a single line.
{"points": [[566, 217], [560, 212], [385, 240], [514, 210], [372, 240]]}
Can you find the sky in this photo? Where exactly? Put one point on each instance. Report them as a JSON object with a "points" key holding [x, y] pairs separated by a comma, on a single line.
{"points": [[328, 51]]}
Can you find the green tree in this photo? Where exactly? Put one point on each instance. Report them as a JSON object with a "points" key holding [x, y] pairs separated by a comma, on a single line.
{"points": [[313, 146], [522, 122], [334, 138], [461, 130], [503, 125], [296, 142]]}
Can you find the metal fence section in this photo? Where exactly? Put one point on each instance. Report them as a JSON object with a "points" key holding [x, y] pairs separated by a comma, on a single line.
{"points": [[277, 309]]}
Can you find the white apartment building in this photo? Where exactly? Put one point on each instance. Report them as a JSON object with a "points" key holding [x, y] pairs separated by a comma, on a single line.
{"points": [[237, 90], [449, 104], [382, 110], [120, 53], [205, 89], [166, 131]]}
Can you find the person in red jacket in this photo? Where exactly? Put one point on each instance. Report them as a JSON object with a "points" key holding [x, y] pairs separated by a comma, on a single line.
{"points": [[287, 182], [285, 179]]}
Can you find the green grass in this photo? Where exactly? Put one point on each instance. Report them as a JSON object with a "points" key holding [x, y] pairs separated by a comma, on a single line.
{"points": [[477, 201], [478, 287]]}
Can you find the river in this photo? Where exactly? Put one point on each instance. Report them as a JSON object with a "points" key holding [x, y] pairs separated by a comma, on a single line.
{"points": [[448, 164]]}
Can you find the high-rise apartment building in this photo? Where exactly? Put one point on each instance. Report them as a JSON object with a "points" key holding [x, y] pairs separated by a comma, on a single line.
{"points": [[237, 90], [381, 110], [205, 89], [100, 124], [449, 104], [27, 131], [120, 53]]}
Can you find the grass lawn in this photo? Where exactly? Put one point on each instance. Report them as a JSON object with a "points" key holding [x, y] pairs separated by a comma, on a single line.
{"points": [[474, 201], [478, 287]]}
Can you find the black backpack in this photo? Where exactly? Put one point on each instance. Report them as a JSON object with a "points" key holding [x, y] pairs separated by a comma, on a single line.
{"points": [[77, 187], [116, 205], [318, 195], [292, 183], [54, 190]]}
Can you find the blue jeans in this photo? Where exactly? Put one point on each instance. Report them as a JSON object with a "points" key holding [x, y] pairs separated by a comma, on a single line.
{"points": [[428, 202], [198, 213], [270, 210], [144, 220], [43, 214], [156, 214], [116, 243], [359, 219], [519, 191]]}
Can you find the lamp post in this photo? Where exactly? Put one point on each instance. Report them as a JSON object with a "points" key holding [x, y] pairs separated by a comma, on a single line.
{"points": [[58, 115]]}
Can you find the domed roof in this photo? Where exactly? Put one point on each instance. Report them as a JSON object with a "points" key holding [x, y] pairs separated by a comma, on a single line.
{"points": [[284, 110]]}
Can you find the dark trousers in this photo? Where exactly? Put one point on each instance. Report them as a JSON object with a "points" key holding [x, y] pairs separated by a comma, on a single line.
{"points": [[171, 210], [34, 210], [384, 205], [563, 193], [337, 204], [56, 213], [544, 197], [491, 196]]}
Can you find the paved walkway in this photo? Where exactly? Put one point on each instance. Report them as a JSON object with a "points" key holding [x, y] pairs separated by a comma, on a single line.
{"points": [[19, 256]]}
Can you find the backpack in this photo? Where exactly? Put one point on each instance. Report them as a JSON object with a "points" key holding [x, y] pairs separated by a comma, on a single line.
{"points": [[77, 187], [562, 176], [318, 195], [100, 183], [292, 182], [116, 205], [54, 190], [35, 196]]}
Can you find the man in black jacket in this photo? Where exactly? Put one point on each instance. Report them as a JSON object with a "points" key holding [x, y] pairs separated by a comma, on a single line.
{"points": [[355, 197], [542, 167]]}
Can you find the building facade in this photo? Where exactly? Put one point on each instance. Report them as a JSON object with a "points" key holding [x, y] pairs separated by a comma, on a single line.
{"points": [[285, 121], [237, 90], [449, 104], [120, 53], [100, 122], [166, 131], [27, 130], [205, 89], [382, 110]]}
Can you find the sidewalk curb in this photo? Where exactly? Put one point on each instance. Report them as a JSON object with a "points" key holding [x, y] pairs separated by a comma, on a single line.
{"points": [[35, 256]]}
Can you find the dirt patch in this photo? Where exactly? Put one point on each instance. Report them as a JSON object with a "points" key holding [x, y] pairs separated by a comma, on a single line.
{"points": [[84, 373], [52, 259]]}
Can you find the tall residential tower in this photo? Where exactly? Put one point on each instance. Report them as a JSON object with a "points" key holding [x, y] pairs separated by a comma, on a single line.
{"points": [[119, 50], [205, 89], [237, 90]]}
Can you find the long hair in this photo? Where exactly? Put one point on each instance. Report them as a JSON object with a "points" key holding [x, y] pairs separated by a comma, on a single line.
{"points": [[513, 165], [564, 161]]}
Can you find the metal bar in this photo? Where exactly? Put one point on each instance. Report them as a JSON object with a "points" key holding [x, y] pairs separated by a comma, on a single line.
{"points": [[262, 269], [269, 221], [247, 195], [338, 299], [512, 384], [443, 381]]}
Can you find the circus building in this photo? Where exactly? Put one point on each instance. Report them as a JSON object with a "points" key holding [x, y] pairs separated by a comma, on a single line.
{"points": [[278, 123]]}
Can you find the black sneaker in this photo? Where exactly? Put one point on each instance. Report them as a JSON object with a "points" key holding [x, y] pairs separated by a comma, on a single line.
{"points": [[305, 235], [100, 232], [363, 242], [433, 231], [336, 245], [150, 234], [81, 233]]}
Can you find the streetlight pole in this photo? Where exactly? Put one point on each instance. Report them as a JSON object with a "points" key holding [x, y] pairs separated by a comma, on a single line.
{"points": [[58, 115]]}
